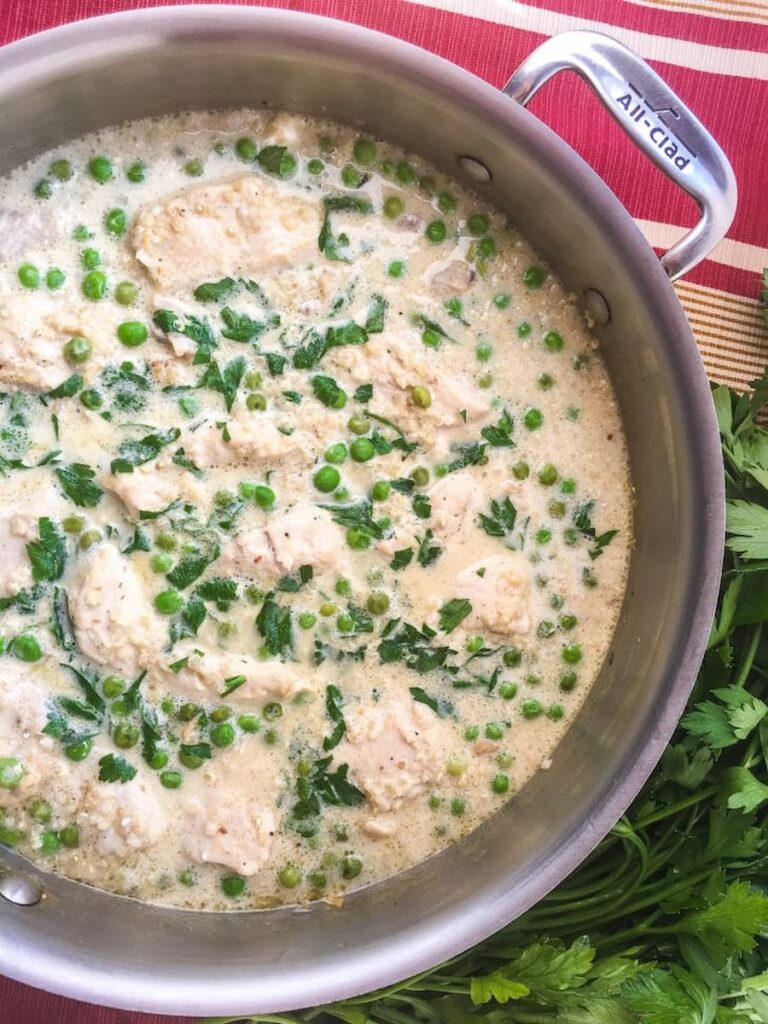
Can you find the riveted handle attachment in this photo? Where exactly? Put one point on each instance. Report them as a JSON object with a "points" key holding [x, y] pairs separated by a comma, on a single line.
{"points": [[656, 120]]}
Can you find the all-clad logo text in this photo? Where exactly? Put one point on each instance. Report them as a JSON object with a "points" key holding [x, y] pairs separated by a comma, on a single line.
{"points": [[657, 123]]}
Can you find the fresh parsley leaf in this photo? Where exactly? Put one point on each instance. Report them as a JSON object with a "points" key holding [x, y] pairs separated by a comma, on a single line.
{"points": [[427, 552], [364, 393], [201, 750], [453, 613], [470, 454], [333, 704], [215, 291], [501, 520], [217, 589], [275, 625], [192, 327], [48, 555], [192, 566], [500, 435], [431, 325], [291, 584], [441, 707], [113, 768], [78, 482], [61, 621], [356, 516], [747, 524], [277, 161], [127, 388], [412, 646], [582, 520], [327, 391], [275, 363], [67, 388], [232, 684], [377, 310], [327, 242], [241, 327], [225, 381], [134, 453], [401, 559], [88, 687], [421, 505], [140, 541]]}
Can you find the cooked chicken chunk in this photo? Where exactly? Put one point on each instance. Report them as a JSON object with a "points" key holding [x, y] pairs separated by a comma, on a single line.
{"points": [[395, 750], [306, 535], [22, 230], [208, 673], [453, 279], [32, 343], [16, 531], [228, 827], [27, 761], [115, 626], [126, 817], [454, 500], [246, 226], [501, 597], [154, 486], [397, 363], [251, 440]]}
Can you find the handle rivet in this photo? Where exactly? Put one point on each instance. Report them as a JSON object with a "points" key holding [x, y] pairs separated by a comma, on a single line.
{"points": [[20, 890], [596, 306], [474, 169]]}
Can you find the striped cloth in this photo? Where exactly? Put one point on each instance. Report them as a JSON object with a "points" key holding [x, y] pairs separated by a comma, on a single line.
{"points": [[714, 53]]}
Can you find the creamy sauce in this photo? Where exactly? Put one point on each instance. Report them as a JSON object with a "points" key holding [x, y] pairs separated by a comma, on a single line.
{"points": [[304, 572]]}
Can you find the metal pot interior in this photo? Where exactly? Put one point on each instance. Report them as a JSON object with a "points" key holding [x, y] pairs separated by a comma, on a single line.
{"points": [[91, 945]]}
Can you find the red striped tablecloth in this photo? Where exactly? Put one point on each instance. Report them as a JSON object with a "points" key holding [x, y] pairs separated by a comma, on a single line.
{"points": [[714, 53]]}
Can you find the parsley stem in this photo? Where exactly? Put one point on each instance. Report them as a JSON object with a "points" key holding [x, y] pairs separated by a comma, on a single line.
{"points": [[671, 809], [749, 656]]}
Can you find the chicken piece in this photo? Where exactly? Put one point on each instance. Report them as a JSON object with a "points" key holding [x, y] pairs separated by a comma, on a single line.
{"points": [[27, 761], [228, 827], [22, 230], [126, 817], [395, 752], [454, 500], [16, 531], [245, 226], [501, 597], [396, 363], [115, 625], [306, 535], [251, 440], [154, 486], [453, 279], [205, 675], [31, 343]]}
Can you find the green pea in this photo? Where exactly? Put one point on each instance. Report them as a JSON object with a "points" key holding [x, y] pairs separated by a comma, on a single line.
{"points": [[28, 275], [534, 277], [431, 338], [531, 708], [249, 723], [73, 524], [543, 536], [50, 843], [351, 867], [477, 224], [458, 806], [358, 425], [405, 172], [568, 485], [191, 761], [43, 189], [222, 735], [502, 300], [396, 268], [94, 285], [81, 233], [520, 470], [343, 587], [568, 681], [264, 496], [256, 402], [246, 149], [445, 202], [545, 629], [436, 231], [116, 222], [337, 453], [233, 886], [571, 654], [12, 771], [169, 602], [132, 333], [568, 622], [377, 603], [393, 207], [188, 878], [100, 169], [55, 278], [486, 248], [137, 172], [40, 811], [89, 538], [362, 449], [358, 540], [77, 350], [90, 259], [500, 784], [483, 353], [555, 712], [553, 341], [494, 731], [170, 780], [548, 475], [512, 657], [556, 509], [345, 623], [364, 152], [80, 750], [26, 648], [61, 169], [508, 690], [380, 490], [317, 879], [471, 733], [70, 837], [161, 562], [166, 542], [307, 620], [524, 329], [315, 166], [533, 419], [327, 608], [420, 476], [351, 176], [421, 396], [486, 380], [126, 293], [272, 710], [289, 876], [125, 735], [113, 686], [193, 168]]}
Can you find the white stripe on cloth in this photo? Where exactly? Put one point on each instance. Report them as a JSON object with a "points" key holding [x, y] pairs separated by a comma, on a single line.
{"points": [[697, 56], [732, 253], [727, 10]]}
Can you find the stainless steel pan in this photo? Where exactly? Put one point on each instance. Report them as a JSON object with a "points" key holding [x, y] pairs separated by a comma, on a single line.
{"points": [[94, 946]]}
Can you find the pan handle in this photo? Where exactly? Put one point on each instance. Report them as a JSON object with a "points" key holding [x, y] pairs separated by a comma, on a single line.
{"points": [[656, 120]]}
